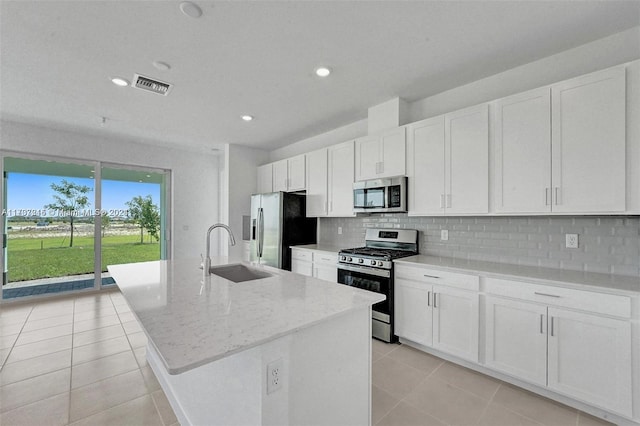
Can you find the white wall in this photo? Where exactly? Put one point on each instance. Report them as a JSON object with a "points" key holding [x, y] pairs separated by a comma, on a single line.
{"points": [[195, 180], [606, 52], [238, 183]]}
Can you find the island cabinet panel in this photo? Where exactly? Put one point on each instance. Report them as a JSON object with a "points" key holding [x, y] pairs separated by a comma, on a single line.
{"points": [[516, 338], [432, 310], [317, 181], [522, 153], [589, 142], [590, 359], [265, 179]]}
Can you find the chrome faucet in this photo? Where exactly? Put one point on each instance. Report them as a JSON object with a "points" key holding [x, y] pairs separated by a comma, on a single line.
{"points": [[207, 260]]}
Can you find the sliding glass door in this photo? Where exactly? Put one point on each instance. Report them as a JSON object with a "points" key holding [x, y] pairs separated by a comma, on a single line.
{"points": [[65, 222], [49, 226]]}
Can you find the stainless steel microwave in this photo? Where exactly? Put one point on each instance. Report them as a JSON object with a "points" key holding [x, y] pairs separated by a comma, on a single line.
{"points": [[388, 195]]}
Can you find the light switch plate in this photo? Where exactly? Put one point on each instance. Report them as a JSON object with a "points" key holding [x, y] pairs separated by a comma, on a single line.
{"points": [[444, 235], [339, 230]]}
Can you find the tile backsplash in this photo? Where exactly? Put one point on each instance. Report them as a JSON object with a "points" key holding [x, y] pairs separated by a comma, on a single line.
{"points": [[607, 244]]}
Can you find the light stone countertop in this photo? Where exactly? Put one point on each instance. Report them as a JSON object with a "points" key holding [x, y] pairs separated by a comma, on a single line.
{"points": [[319, 247], [591, 281], [192, 322]]}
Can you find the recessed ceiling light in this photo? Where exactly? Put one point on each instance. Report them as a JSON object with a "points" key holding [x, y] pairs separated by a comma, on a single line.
{"points": [[148, 175], [323, 71], [247, 117], [162, 66], [140, 181], [190, 9], [118, 81]]}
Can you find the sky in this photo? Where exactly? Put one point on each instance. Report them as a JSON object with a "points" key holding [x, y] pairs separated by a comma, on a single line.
{"points": [[33, 192]]}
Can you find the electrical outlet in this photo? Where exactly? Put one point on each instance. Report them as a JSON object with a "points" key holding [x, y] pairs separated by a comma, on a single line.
{"points": [[571, 240], [275, 375], [339, 230], [444, 235]]}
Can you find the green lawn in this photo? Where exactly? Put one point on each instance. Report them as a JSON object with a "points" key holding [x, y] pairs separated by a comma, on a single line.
{"points": [[27, 261]]}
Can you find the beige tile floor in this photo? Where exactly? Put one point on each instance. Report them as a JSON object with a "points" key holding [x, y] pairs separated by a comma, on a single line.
{"points": [[81, 361]]}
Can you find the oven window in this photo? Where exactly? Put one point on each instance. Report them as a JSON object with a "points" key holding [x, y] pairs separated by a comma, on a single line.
{"points": [[369, 198], [371, 283]]}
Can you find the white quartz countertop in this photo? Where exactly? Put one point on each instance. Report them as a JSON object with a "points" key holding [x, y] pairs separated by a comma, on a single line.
{"points": [[191, 321], [575, 279], [319, 247]]}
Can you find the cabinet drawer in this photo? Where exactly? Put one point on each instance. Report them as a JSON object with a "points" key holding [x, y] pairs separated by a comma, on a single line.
{"points": [[608, 304], [434, 276], [325, 258], [301, 255]]}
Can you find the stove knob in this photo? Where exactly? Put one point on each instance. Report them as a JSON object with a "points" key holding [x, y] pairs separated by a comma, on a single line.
{"points": [[343, 257], [349, 259], [373, 262], [379, 263], [360, 260]]}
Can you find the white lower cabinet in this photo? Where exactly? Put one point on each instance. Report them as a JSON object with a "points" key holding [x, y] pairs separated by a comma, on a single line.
{"points": [[590, 358], [436, 315], [583, 355], [315, 263]]}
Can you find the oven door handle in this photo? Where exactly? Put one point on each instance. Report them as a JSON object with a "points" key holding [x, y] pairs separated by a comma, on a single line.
{"points": [[366, 270]]}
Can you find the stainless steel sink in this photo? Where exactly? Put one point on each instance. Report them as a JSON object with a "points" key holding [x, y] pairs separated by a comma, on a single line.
{"points": [[238, 273]]}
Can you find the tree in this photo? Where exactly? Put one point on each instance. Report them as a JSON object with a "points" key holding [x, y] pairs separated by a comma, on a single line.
{"points": [[69, 199], [146, 214], [106, 222]]}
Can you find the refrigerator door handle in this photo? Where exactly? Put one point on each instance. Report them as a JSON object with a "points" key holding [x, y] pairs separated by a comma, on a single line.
{"points": [[261, 231]]}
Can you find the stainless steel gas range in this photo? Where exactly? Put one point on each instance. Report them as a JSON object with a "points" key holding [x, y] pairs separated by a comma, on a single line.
{"points": [[371, 268]]}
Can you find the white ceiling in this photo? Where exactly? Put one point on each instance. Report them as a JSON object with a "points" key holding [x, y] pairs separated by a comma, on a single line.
{"points": [[258, 58]]}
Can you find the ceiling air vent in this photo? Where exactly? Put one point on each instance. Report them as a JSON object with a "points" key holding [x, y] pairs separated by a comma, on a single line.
{"points": [[151, 85]]}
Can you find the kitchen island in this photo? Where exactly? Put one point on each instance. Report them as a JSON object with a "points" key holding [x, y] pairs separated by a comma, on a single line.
{"points": [[285, 349]]}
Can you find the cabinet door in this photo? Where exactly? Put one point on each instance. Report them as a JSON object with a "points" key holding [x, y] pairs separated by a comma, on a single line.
{"points": [[265, 179], [467, 160], [326, 272], [393, 153], [413, 311], [523, 153], [296, 173], [588, 143], [280, 175], [302, 267], [516, 339], [341, 169], [456, 322], [590, 359], [317, 170], [368, 162], [425, 166]]}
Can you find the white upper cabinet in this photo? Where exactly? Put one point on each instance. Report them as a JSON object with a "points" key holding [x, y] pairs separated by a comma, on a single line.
{"points": [[317, 181], [265, 179], [381, 155], [562, 149], [340, 179], [448, 159], [589, 142], [289, 174], [296, 173], [467, 161], [522, 153], [280, 175], [425, 166]]}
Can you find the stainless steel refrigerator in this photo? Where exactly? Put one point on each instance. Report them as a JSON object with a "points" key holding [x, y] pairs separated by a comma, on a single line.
{"points": [[278, 221]]}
